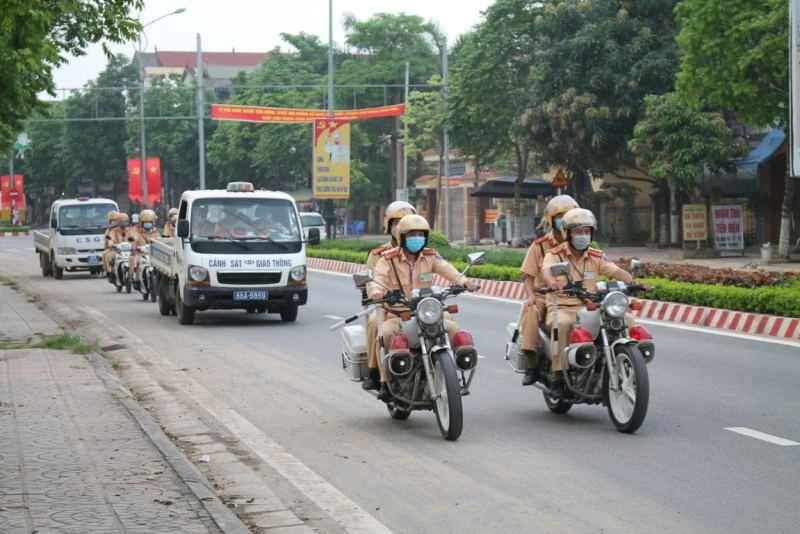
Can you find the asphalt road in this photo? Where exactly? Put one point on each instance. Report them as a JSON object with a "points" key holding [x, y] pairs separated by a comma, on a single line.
{"points": [[516, 467]]}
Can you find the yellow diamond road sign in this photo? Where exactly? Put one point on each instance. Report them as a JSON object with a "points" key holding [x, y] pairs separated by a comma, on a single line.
{"points": [[560, 179]]}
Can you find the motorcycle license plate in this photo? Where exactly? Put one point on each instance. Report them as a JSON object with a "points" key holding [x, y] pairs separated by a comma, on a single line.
{"points": [[250, 295], [93, 259]]}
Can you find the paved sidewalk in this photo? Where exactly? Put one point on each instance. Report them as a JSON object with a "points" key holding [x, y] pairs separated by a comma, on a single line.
{"points": [[77, 452]]}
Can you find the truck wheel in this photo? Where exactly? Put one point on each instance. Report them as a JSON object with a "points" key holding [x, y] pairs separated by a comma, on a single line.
{"points": [[58, 272], [289, 314], [164, 307], [185, 313], [44, 264]]}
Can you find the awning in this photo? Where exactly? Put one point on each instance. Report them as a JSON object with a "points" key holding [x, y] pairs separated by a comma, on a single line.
{"points": [[764, 151], [503, 187]]}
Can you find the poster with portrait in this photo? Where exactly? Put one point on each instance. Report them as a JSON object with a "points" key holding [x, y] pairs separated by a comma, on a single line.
{"points": [[331, 176]]}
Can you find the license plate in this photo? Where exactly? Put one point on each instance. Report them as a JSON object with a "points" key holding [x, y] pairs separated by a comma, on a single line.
{"points": [[93, 259], [250, 295]]}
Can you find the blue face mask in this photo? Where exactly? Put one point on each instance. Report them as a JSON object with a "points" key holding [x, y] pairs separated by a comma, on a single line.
{"points": [[147, 225], [558, 223], [415, 244]]}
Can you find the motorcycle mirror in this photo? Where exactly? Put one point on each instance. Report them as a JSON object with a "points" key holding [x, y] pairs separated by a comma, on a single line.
{"points": [[476, 258], [560, 269], [361, 278], [636, 268]]}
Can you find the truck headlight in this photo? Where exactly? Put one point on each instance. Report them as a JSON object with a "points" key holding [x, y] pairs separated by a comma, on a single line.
{"points": [[298, 273], [197, 273], [66, 251]]}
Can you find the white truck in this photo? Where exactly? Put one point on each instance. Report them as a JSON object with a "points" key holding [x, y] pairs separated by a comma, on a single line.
{"points": [[236, 248], [74, 239]]}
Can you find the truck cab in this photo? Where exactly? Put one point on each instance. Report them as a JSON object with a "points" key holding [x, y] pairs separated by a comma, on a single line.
{"points": [[236, 248], [73, 240]]}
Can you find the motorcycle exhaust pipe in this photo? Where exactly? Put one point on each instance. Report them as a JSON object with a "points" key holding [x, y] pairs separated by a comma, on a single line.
{"points": [[399, 362]]}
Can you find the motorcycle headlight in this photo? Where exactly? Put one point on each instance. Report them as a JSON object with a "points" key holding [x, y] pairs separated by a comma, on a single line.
{"points": [[615, 304], [66, 251], [298, 273], [429, 311], [197, 273]]}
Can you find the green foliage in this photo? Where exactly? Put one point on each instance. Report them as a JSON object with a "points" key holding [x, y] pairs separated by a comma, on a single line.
{"points": [[36, 38], [66, 341], [676, 142], [734, 57], [438, 240], [351, 256], [358, 245]]}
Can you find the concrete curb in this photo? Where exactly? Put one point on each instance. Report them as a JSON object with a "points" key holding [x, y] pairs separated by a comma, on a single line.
{"points": [[14, 234], [735, 321]]}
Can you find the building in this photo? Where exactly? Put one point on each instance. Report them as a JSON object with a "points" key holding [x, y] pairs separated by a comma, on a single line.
{"points": [[218, 67]]}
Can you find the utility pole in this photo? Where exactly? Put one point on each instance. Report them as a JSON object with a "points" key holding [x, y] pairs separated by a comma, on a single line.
{"points": [[446, 146], [201, 133]]}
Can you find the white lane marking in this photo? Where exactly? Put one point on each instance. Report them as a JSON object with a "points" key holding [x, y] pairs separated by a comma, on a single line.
{"points": [[678, 326], [341, 509], [762, 436]]}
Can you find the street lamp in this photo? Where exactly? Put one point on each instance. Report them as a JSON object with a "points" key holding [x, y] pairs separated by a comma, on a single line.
{"points": [[139, 50]]}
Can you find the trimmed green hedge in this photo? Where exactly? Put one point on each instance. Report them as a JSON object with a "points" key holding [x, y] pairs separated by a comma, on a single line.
{"points": [[774, 300], [4, 229]]}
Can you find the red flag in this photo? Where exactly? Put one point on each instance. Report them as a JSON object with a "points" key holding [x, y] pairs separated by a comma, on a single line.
{"points": [[153, 181], [5, 189], [135, 181]]}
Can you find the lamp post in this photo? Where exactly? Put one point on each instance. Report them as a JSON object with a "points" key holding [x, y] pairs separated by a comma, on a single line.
{"points": [[139, 50]]}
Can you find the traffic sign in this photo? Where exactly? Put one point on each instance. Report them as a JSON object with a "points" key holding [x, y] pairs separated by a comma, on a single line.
{"points": [[560, 180]]}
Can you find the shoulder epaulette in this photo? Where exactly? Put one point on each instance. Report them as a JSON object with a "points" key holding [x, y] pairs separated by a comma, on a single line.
{"points": [[542, 239], [392, 253], [381, 249], [429, 251], [595, 252], [559, 248]]}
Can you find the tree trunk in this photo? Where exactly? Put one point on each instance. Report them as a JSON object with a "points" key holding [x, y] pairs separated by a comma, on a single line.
{"points": [[434, 218], [663, 218], [522, 171], [674, 226], [786, 218]]}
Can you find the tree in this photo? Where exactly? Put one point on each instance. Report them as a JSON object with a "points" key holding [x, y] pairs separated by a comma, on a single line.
{"points": [[736, 59], [594, 62], [36, 38], [676, 144]]}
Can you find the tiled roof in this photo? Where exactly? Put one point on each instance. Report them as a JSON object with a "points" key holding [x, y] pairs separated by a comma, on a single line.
{"points": [[189, 59]]}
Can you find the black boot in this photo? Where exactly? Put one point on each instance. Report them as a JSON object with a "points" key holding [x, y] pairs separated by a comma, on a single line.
{"points": [[384, 393], [557, 388], [530, 378], [373, 381]]}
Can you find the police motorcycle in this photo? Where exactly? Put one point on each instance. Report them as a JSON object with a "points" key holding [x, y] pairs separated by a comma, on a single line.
{"points": [[605, 361], [424, 372], [122, 273], [147, 286]]}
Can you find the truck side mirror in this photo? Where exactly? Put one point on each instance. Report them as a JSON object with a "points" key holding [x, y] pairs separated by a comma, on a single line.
{"points": [[183, 228], [54, 223], [313, 236]]}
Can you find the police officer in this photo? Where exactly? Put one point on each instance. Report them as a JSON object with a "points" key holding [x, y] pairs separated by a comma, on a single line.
{"points": [[108, 244], [172, 219], [141, 235], [406, 267], [586, 265], [535, 307], [391, 216]]}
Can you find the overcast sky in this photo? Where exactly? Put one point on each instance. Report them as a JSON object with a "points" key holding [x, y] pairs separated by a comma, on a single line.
{"points": [[255, 26]]}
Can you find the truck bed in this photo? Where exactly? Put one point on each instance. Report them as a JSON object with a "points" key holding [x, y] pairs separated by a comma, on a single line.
{"points": [[161, 255], [41, 241]]}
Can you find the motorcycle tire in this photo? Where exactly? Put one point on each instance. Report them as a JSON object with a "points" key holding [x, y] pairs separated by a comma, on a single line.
{"points": [[448, 408], [628, 407], [128, 283], [152, 284], [557, 405]]}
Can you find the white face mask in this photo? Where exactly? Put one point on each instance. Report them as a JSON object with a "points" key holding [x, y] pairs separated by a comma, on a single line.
{"points": [[581, 242]]}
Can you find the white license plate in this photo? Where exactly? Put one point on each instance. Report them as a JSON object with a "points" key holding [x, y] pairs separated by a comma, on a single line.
{"points": [[93, 259], [250, 295]]}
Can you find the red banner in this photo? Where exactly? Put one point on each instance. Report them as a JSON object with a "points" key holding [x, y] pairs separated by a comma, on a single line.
{"points": [[153, 181], [135, 181], [227, 112], [5, 189], [18, 192]]}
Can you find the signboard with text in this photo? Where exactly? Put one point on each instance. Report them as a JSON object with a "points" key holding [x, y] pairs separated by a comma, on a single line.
{"points": [[695, 222], [228, 112], [331, 158], [728, 223]]}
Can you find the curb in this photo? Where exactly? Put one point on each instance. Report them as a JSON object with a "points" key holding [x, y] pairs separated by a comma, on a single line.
{"points": [[14, 234], [735, 321]]}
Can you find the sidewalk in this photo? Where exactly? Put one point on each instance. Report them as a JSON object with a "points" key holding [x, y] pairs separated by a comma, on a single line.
{"points": [[77, 452]]}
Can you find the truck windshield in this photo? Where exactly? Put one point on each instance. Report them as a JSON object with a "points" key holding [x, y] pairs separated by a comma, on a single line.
{"points": [[83, 219], [265, 224]]}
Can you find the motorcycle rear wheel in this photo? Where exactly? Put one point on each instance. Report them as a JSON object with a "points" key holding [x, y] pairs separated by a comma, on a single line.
{"points": [[448, 408], [628, 406]]}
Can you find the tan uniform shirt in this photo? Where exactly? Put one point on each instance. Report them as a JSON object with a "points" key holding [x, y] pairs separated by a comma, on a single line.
{"points": [[418, 275], [532, 265], [169, 229], [142, 237], [375, 254], [586, 268], [117, 235]]}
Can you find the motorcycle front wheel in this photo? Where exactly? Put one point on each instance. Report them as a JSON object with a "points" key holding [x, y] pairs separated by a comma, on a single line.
{"points": [[152, 286], [448, 408], [128, 283], [628, 406]]}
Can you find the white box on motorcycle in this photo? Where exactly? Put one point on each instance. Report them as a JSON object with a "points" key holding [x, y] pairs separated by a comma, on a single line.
{"points": [[516, 359], [354, 352]]}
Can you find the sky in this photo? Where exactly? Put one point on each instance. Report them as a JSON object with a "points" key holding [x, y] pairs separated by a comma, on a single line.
{"points": [[255, 26]]}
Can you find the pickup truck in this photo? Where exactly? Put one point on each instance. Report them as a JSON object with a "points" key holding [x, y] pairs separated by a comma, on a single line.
{"points": [[74, 239], [236, 248]]}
